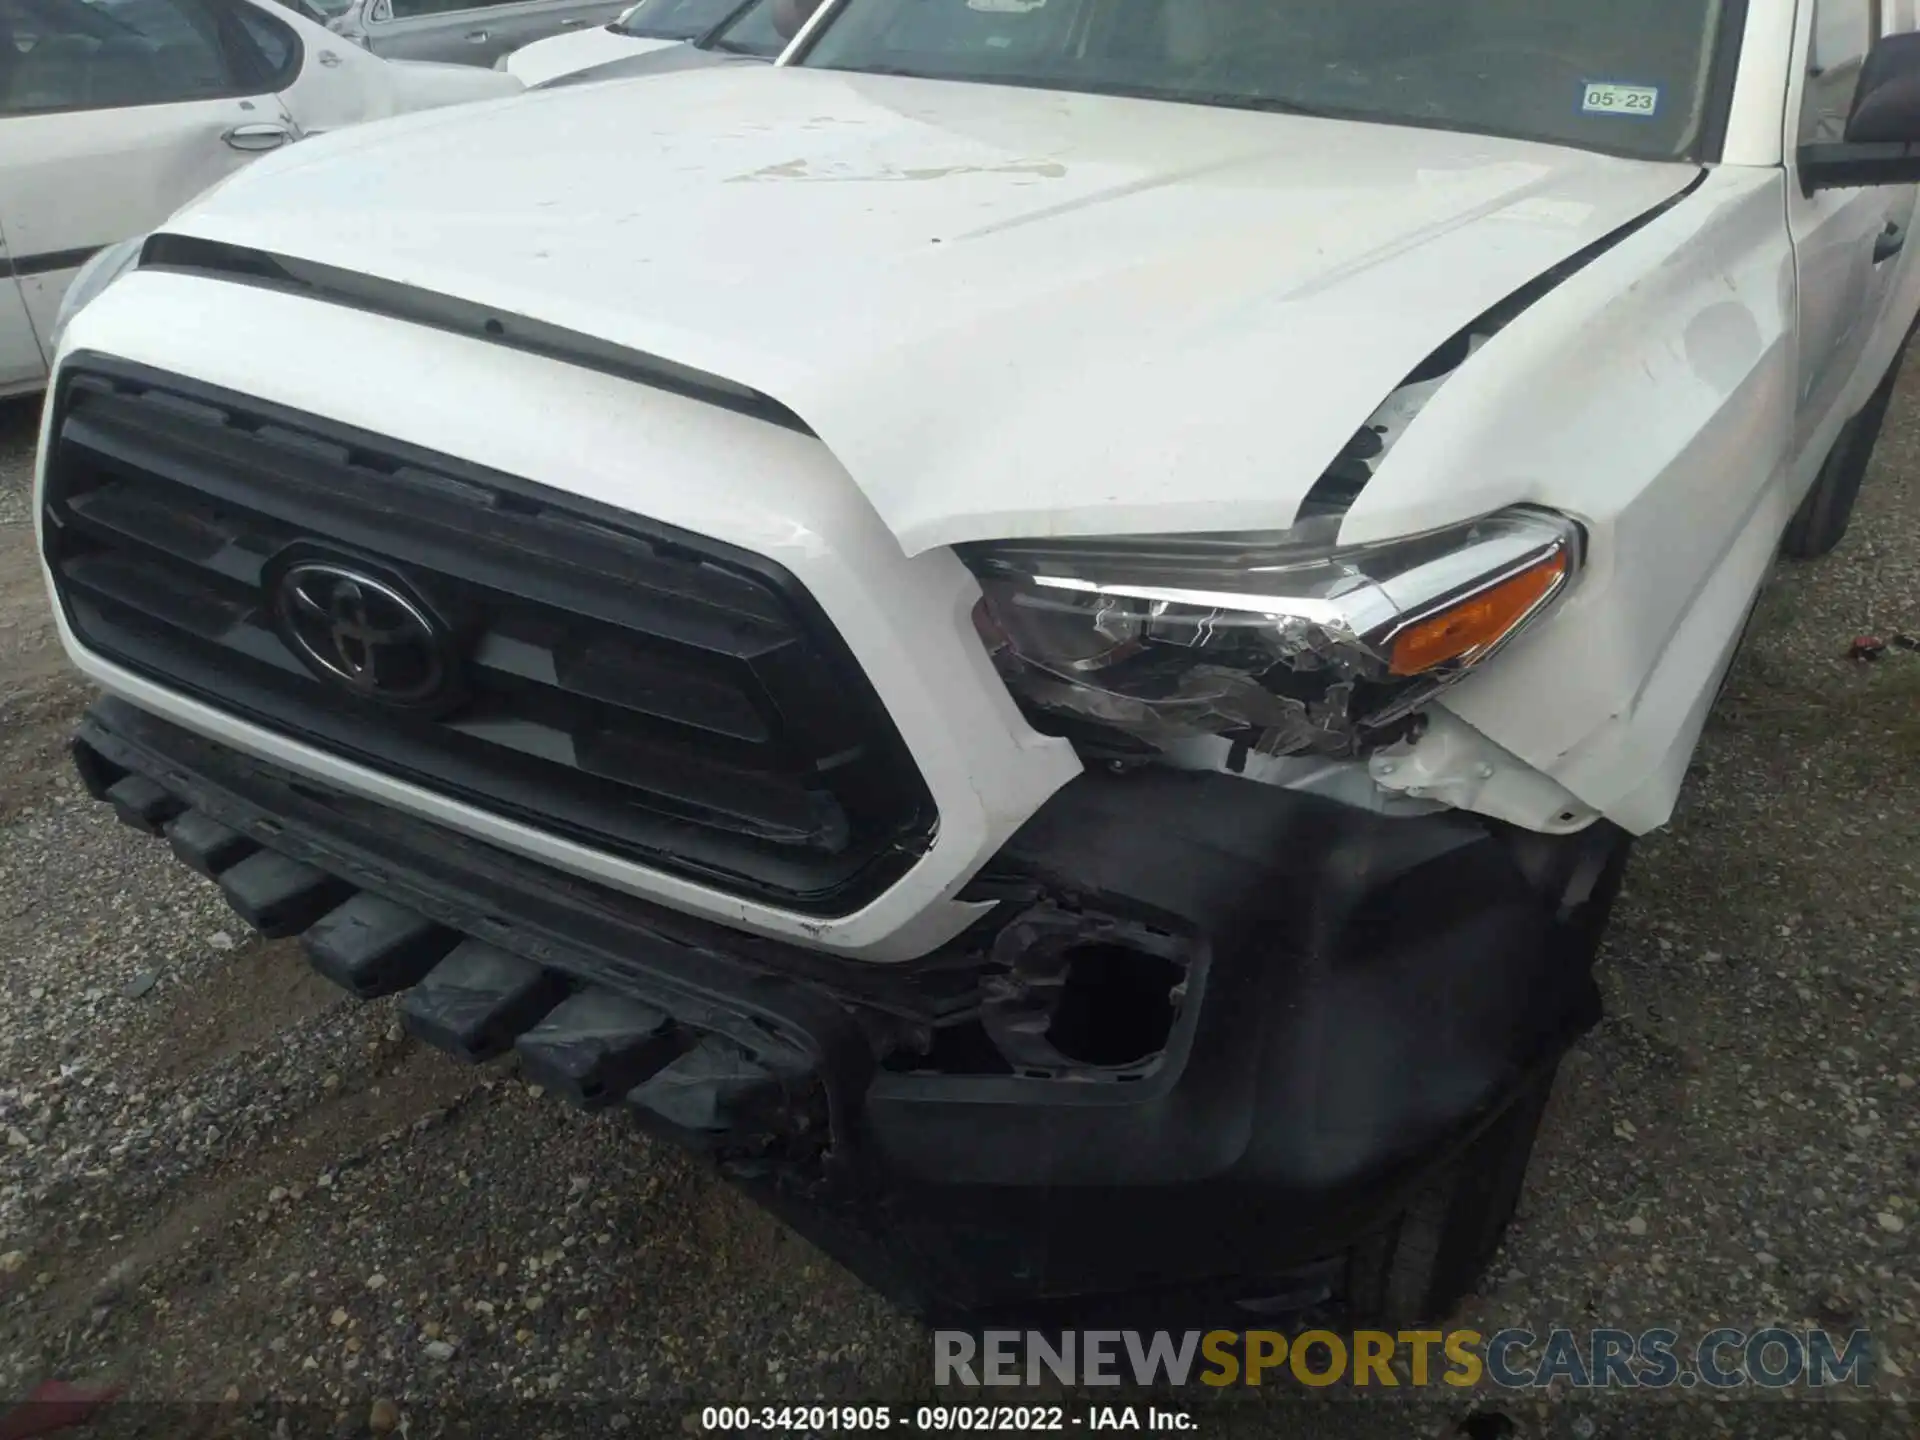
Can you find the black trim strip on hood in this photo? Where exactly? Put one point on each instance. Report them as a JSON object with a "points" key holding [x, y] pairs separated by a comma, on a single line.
{"points": [[44, 264], [213, 259]]}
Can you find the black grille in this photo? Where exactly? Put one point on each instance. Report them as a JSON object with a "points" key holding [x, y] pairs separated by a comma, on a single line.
{"points": [[654, 694]]}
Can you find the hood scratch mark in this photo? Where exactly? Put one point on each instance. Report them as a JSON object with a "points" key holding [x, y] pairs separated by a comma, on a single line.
{"points": [[800, 169]]}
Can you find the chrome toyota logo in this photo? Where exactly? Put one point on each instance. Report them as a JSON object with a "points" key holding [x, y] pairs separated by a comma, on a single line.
{"points": [[362, 633]]}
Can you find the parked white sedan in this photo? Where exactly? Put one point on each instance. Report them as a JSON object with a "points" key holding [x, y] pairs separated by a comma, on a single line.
{"points": [[113, 113]]}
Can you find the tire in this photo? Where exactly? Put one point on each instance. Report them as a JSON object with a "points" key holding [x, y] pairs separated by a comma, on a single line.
{"points": [[1418, 1267], [1821, 521]]}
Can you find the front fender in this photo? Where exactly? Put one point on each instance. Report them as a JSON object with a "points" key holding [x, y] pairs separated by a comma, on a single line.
{"points": [[1651, 396]]}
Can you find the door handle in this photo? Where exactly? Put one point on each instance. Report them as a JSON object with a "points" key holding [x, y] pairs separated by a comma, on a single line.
{"points": [[329, 59], [477, 37], [257, 137], [1889, 242]]}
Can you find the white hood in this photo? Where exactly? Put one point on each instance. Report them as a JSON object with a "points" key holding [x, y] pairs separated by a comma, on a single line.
{"points": [[1007, 312], [559, 55]]}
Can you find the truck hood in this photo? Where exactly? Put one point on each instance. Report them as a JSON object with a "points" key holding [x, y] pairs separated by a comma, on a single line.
{"points": [[1008, 312]]}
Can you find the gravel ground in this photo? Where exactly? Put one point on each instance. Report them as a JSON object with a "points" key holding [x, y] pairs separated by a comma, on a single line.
{"points": [[221, 1184]]}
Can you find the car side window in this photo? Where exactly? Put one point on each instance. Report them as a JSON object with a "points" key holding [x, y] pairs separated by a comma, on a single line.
{"points": [[60, 55], [1842, 31], [270, 49], [408, 9]]}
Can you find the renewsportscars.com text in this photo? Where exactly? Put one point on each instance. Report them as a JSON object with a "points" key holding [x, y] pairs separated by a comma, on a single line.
{"points": [[1770, 1358]]}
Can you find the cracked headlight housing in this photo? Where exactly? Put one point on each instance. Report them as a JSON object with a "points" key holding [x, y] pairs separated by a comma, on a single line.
{"points": [[1286, 641]]}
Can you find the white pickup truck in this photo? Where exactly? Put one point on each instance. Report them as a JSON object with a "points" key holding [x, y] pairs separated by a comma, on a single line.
{"points": [[1046, 624]]}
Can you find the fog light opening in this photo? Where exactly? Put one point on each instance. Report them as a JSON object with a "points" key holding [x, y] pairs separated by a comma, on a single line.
{"points": [[1116, 1006]]}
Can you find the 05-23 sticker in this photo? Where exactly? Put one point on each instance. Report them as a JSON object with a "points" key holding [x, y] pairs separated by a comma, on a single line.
{"points": [[1632, 102]]}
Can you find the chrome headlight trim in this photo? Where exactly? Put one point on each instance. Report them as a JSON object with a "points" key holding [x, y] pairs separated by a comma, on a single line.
{"points": [[1287, 637]]}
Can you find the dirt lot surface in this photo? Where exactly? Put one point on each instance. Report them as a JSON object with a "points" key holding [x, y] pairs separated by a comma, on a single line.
{"points": [[222, 1184]]}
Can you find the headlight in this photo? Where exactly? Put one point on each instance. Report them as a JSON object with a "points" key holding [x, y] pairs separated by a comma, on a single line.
{"points": [[97, 274], [1284, 640]]}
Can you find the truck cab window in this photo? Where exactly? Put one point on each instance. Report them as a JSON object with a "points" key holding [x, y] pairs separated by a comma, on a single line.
{"points": [[1842, 31]]}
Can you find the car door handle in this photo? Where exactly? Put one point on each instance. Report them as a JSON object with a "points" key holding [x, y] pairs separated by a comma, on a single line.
{"points": [[1889, 242], [477, 37], [257, 137]]}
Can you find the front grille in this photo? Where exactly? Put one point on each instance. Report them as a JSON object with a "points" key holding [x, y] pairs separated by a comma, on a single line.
{"points": [[654, 694]]}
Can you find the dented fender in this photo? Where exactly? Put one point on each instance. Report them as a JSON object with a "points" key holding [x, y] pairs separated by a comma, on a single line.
{"points": [[1650, 396]]}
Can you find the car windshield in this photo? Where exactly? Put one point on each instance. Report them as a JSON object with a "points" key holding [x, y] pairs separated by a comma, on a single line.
{"points": [[751, 31], [1628, 76], [674, 19]]}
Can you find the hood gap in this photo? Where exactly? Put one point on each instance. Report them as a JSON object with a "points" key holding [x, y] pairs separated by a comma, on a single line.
{"points": [[1335, 492]]}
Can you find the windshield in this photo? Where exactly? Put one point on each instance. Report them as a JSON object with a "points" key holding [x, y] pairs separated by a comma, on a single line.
{"points": [[751, 31], [674, 19], [1628, 76]]}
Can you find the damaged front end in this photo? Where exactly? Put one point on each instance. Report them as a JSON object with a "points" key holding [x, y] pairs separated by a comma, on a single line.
{"points": [[1211, 1034], [1288, 643]]}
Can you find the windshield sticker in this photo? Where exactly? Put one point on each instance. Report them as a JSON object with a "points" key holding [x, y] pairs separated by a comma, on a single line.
{"points": [[1635, 102]]}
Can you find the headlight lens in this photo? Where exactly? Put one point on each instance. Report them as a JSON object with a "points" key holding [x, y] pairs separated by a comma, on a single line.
{"points": [[97, 274], [1286, 640]]}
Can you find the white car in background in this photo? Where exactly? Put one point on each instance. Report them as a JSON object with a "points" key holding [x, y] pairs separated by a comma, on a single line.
{"points": [[655, 35], [114, 113]]}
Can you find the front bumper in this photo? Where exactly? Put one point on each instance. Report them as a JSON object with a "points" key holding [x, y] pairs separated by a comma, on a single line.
{"points": [[1222, 1031]]}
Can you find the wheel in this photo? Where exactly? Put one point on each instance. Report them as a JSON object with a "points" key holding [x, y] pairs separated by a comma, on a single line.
{"points": [[1418, 1266], [1821, 521]]}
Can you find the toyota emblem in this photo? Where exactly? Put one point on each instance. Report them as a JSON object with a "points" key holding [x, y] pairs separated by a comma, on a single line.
{"points": [[362, 633]]}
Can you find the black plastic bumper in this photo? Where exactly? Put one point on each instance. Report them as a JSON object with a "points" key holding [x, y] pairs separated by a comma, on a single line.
{"points": [[1335, 1002]]}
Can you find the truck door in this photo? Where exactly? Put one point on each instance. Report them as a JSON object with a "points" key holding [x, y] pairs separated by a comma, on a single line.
{"points": [[1852, 248]]}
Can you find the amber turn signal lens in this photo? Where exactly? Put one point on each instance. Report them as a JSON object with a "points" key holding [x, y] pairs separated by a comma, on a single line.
{"points": [[1477, 624]]}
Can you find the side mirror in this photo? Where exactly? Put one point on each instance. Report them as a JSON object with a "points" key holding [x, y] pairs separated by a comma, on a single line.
{"points": [[1882, 144]]}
